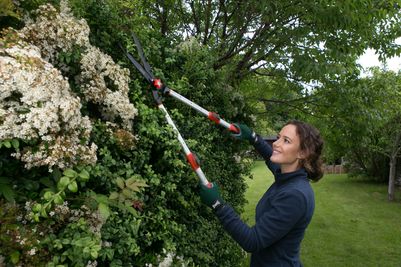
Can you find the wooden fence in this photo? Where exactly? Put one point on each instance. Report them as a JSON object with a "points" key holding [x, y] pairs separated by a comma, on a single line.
{"points": [[334, 169]]}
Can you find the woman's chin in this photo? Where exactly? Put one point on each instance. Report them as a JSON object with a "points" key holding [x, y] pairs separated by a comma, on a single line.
{"points": [[274, 160]]}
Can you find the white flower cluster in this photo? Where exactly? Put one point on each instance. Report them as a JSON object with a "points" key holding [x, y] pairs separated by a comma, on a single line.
{"points": [[91, 263], [55, 32], [96, 67], [92, 218], [168, 259], [36, 104], [32, 252]]}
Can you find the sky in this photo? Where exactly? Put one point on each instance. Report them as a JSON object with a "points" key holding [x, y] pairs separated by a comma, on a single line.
{"points": [[370, 59]]}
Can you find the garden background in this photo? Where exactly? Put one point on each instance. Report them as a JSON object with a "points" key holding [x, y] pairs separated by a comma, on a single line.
{"points": [[91, 174]]}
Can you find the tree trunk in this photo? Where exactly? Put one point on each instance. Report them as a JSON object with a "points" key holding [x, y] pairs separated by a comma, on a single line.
{"points": [[393, 164], [391, 180]]}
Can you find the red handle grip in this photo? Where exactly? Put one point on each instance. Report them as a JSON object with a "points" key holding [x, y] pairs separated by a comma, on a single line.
{"points": [[234, 129]]}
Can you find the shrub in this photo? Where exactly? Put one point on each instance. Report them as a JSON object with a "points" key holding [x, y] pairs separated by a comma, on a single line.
{"points": [[119, 192]]}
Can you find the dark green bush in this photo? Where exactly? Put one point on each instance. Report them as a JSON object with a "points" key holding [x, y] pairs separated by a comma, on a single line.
{"points": [[112, 220]]}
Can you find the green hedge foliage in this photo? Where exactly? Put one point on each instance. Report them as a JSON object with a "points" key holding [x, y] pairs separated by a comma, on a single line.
{"points": [[138, 205]]}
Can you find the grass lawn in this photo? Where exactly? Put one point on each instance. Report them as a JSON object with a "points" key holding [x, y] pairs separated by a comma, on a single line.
{"points": [[353, 224]]}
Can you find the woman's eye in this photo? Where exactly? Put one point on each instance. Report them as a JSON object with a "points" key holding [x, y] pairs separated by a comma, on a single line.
{"points": [[286, 141]]}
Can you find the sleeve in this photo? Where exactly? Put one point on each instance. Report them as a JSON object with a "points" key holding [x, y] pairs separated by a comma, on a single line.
{"points": [[286, 210], [265, 150]]}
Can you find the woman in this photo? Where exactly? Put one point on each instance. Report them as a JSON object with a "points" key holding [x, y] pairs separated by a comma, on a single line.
{"points": [[286, 209]]}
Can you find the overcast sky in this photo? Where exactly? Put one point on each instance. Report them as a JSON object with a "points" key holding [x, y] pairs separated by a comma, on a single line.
{"points": [[369, 59]]}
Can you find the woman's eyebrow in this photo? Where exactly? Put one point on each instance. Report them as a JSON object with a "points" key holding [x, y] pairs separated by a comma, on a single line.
{"points": [[285, 136]]}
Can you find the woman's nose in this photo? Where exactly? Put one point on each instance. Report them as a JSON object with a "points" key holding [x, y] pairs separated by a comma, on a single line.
{"points": [[275, 143]]}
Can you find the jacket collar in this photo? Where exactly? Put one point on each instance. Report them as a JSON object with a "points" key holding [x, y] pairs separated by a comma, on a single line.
{"points": [[283, 177]]}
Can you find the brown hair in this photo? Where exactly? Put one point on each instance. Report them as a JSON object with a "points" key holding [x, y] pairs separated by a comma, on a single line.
{"points": [[311, 145]]}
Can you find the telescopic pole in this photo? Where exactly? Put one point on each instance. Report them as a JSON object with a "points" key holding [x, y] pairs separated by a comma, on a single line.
{"points": [[209, 114], [192, 160]]}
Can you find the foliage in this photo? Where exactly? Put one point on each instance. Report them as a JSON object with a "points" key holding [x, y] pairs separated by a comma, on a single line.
{"points": [[137, 204], [299, 62], [7, 8], [302, 41], [276, 101], [359, 122]]}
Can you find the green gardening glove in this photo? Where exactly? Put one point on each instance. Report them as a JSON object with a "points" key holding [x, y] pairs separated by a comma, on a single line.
{"points": [[210, 195], [245, 133]]}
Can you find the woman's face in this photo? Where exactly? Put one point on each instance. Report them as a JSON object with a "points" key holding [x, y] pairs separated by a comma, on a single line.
{"points": [[286, 149]]}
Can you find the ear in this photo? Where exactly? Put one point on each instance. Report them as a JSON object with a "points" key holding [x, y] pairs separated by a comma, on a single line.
{"points": [[301, 155]]}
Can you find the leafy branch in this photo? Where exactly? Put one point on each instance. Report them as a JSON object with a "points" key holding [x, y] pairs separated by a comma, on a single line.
{"points": [[68, 181]]}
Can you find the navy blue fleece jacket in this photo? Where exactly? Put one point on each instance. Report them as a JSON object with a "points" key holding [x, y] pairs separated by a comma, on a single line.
{"points": [[282, 215]]}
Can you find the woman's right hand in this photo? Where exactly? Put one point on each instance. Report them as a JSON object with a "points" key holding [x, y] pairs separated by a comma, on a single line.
{"points": [[245, 133]]}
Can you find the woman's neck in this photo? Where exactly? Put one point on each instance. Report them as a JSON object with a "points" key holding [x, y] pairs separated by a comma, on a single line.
{"points": [[286, 168]]}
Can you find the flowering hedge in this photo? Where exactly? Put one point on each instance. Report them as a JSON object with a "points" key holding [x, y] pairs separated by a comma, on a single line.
{"points": [[90, 172]]}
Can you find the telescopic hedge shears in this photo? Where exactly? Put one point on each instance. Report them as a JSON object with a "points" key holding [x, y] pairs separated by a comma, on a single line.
{"points": [[159, 89]]}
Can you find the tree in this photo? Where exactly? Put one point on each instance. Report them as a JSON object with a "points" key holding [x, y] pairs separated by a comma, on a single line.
{"points": [[389, 125], [392, 151], [295, 39], [279, 52], [361, 121]]}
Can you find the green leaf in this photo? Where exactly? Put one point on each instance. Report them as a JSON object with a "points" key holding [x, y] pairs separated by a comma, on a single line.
{"points": [[7, 144], [37, 207], [63, 183], [96, 247], [113, 195], [43, 213], [94, 254], [48, 195], [56, 174], [58, 200], [7, 192], [23, 110], [15, 143], [131, 210], [120, 183], [57, 244], [15, 257], [128, 203], [84, 175], [66, 241], [128, 193], [46, 181], [104, 210], [70, 173], [134, 184], [6, 9], [100, 198], [73, 187]]}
